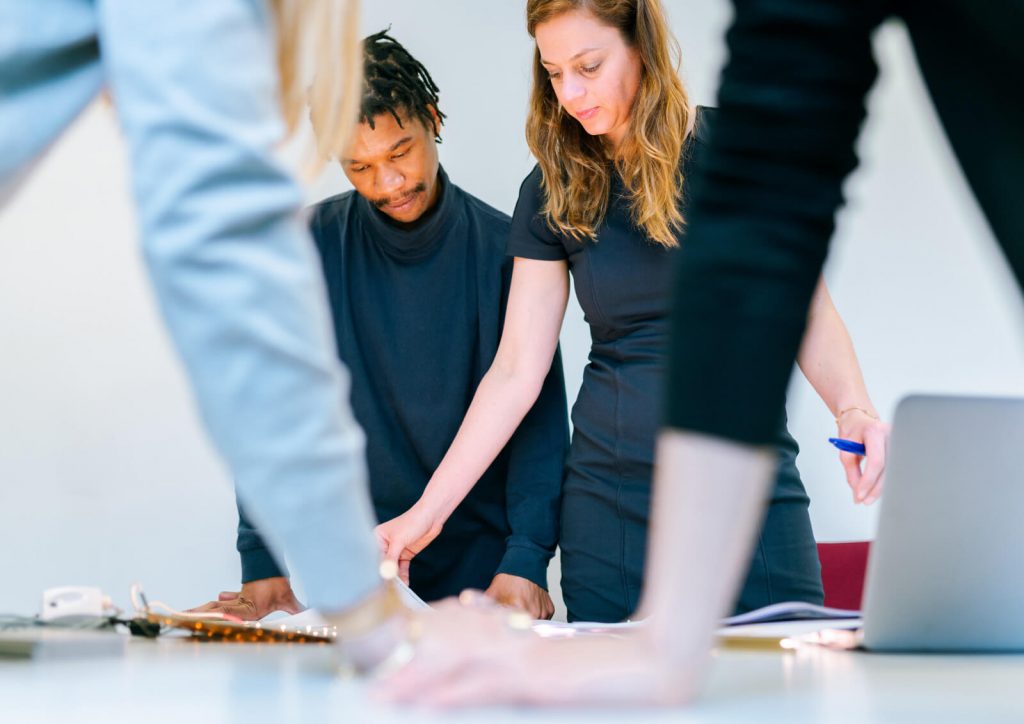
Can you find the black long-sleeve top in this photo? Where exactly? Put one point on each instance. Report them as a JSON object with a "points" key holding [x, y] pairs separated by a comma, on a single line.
{"points": [[762, 208], [418, 311]]}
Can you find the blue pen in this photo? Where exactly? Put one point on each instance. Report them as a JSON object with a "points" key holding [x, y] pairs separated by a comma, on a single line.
{"points": [[848, 445]]}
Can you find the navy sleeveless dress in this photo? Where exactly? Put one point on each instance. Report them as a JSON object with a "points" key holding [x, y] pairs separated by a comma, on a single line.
{"points": [[623, 283]]}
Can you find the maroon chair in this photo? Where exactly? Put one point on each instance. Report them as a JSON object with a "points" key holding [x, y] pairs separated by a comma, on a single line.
{"points": [[843, 568]]}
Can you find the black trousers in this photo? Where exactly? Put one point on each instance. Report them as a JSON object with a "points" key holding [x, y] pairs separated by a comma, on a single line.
{"points": [[971, 55]]}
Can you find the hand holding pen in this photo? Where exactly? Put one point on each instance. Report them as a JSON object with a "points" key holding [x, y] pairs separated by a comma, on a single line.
{"points": [[863, 442]]}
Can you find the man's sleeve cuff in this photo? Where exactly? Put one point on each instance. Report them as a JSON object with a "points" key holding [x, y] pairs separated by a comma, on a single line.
{"points": [[258, 563], [526, 562]]}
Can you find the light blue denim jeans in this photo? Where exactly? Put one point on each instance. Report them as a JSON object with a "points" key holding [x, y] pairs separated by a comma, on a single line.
{"points": [[194, 84]]}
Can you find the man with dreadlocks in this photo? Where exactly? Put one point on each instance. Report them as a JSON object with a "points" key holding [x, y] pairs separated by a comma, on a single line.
{"points": [[418, 280]]}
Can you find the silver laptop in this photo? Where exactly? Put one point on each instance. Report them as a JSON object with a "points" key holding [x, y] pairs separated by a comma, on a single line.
{"points": [[946, 571]]}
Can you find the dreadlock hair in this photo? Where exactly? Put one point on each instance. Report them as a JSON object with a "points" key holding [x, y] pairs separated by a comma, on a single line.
{"points": [[395, 82]]}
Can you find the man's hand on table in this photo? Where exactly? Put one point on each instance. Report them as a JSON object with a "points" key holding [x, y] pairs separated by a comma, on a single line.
{"points": [[256, 600], [517, 592]]}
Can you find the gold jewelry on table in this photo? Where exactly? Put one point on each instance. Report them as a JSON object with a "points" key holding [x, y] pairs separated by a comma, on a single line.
{"points": [[858, 409]]}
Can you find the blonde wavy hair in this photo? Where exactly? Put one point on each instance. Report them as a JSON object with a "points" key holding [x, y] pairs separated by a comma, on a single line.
{"points": [[319, 40], [575, 165]]}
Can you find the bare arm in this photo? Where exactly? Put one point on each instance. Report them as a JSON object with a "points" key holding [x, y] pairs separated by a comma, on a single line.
{"points": [[828, 360], [829, 363], [709, 495], [536, 307], [533, 319]]}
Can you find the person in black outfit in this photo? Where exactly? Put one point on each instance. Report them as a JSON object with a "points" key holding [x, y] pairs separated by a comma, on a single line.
{"points": [[761, 215], [418, 281], [620, 257], [798, 107]]}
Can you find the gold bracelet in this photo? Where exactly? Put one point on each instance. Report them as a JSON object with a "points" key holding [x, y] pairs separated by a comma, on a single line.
{"points": [[858, 409]]}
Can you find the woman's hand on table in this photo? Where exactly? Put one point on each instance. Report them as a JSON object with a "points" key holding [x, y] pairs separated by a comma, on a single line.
{"points": [[482, 654]]}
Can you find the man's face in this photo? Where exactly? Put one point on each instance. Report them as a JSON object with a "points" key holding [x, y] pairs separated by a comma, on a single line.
{"points": [[394, 166]]}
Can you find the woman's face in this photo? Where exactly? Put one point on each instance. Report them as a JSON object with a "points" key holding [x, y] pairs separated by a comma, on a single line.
{"points": [[594, 73]]}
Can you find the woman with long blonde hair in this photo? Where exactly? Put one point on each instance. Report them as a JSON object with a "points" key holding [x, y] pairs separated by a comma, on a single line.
{"points": [[201, 101], [615, 138]]}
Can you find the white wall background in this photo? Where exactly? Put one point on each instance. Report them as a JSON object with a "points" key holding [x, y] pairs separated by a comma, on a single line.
{"points": [[105, 477]]}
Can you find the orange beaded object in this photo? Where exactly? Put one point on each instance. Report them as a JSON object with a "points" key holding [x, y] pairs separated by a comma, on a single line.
{"points": [[225, 630], [215, 626]]}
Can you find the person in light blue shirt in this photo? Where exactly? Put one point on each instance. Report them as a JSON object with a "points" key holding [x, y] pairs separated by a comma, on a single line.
{"points": [[196, 91]]}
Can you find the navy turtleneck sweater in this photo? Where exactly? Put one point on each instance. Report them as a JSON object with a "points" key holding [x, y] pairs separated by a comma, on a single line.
{"points": [[418, 311]]}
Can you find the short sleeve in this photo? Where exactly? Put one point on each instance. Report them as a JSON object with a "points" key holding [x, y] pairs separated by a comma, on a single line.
{"points": [[530, 237]]}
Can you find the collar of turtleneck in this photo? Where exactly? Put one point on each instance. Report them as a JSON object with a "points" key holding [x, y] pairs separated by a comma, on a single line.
{"points": [[419, 239]]}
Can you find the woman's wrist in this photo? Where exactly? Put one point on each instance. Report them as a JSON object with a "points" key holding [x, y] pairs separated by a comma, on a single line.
{"points": [[379, 651], [379, 605], [436, 503], [375, 633], [862, 408], [678, 663]]}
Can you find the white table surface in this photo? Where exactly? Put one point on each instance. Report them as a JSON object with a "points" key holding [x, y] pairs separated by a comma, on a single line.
{"points": [[179, 680]]}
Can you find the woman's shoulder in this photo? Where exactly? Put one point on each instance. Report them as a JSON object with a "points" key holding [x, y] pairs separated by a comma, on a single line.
{"points": [[531, 193], [531, 236], [533, 181]]}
